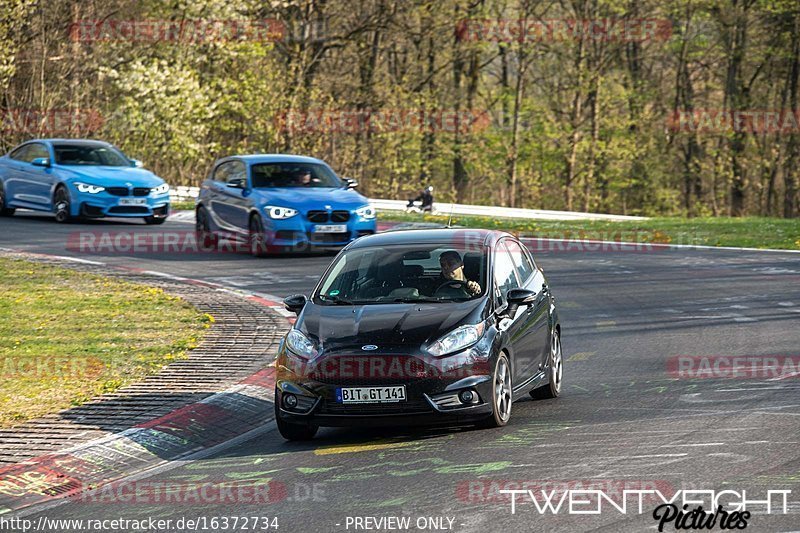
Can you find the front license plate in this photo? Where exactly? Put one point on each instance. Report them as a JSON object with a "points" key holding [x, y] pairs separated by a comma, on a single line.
{"points": [[330, 228], [133, 201], [371, 394]]}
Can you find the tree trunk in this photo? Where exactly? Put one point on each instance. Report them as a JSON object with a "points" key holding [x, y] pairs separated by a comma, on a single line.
{"points": [[790, 170]]}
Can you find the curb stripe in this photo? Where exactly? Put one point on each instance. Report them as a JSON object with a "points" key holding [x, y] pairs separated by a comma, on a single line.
{"points": [[224, 416]]}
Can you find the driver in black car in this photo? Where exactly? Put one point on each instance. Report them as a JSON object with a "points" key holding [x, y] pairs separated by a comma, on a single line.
{"points": [[453, 270]]}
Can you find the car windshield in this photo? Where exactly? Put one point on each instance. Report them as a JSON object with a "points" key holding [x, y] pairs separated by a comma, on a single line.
{"points": [[405, 274], [271, 175], [90, 155]]}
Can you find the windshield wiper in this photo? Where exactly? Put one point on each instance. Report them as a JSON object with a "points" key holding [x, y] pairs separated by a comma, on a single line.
{"points": [[416, 300]]}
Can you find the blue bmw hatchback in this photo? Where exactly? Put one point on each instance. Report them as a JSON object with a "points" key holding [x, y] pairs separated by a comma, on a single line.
{"points": [[80, 178], [281, 202]]}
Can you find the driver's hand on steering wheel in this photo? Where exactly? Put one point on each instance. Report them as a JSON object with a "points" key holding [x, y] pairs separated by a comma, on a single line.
{"points": [[473, 287]]}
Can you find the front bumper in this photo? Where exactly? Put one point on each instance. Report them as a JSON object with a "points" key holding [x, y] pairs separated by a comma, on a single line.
{"points": [[103, 204], [432, 389], [300, 233]]}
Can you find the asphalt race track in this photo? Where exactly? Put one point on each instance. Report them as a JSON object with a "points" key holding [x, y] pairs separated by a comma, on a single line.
{"points": [[623, 421]]}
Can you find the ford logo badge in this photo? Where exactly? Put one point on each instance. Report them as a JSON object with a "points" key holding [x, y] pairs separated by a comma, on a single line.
{"points": [[369, 347]]}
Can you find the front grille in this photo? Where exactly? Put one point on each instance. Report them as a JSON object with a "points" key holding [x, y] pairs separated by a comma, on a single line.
{"points": [[340, 216], [317, 216], [118, 191], [141, 191], [411, 406], [129, 210], [375, 370], [328, 237]]}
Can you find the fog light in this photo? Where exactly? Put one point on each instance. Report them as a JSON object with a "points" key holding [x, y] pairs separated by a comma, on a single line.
{"points": [[466, 396], [290, 401]]}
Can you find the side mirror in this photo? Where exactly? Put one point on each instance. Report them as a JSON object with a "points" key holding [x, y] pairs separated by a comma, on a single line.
{"points": [[350, 183], [136, 163], [41, 162], [517, 298], [295, 303], [236, 183]]}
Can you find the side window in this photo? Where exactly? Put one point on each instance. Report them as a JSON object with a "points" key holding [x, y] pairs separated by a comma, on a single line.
{"points": [[36, 150], [238, 171], [222, 173], [522, 262], [20, 153], [504, 272]]}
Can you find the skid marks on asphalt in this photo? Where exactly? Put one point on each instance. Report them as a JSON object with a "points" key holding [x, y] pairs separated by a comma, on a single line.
{"points": [[532, 433], [579, 356]]}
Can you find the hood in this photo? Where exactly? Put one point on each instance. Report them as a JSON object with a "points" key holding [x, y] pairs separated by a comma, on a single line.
{"points": [[311, 197], [111, 176], [388, 326]]}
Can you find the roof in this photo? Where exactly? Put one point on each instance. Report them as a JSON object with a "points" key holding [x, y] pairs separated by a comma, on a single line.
{"points": [[424, 236], [276, 158], [71, 141]]}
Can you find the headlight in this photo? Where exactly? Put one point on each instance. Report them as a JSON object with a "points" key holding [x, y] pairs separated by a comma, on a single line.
{"points": [[458, 339], [300, 344], [161, 189], [91, 189], [279, 213], [367, 212]]}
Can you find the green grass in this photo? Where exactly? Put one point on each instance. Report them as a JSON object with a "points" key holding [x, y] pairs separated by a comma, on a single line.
{"points": [[66, 336], [753, 232], [182, 206]]}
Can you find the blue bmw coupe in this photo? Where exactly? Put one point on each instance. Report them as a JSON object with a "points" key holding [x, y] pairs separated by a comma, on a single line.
{"points": [[281, 202], [80, 178]]}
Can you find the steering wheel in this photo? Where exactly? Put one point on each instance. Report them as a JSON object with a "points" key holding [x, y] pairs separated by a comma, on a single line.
{"points": [[453, 284]]}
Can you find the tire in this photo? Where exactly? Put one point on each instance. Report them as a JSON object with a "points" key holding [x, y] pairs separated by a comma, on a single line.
{"points": [[502, 394], [61, 205], [555, 365], [5, 211], [255, 239], [154, 221], [202, 229], [291, 431]]}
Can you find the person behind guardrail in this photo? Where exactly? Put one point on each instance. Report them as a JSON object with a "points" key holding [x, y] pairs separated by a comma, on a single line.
{"points": [[425, 197]]}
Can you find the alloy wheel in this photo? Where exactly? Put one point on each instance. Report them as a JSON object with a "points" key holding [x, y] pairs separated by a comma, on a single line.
{"points": [[556, 365], [502, 389], [258, 247], [62, 205]]}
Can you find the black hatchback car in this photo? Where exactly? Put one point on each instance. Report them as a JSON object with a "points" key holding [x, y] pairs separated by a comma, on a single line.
{"points": [[443, 326]]}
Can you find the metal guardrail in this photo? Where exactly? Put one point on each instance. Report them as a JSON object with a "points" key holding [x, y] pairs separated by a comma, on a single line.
{"points": [[183, 193], [442, 208]]}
